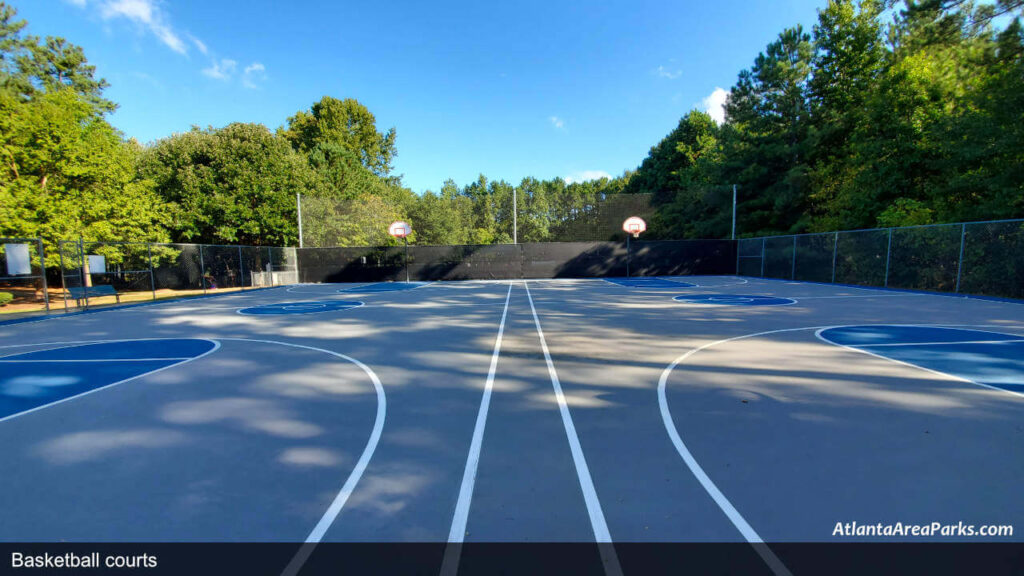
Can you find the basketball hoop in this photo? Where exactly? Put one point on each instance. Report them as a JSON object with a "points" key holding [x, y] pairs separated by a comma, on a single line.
{"points": [[634, 225], [399, 229]]}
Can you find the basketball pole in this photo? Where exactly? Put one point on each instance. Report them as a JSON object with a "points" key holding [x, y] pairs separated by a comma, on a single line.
{"points": [[515, 218], [406, 238], [733, 211], [627, 254], [298, 206]]}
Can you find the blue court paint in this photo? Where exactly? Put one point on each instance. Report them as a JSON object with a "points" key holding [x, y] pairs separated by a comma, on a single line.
{"points": [[385, 287], [734, 300], [35, 379], [648, 282], [307, 307], [171, 348], [990, 358], [881, 335]]}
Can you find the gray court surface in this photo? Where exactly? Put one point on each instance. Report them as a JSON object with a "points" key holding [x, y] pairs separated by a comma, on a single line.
{"points": [[602, 412]]}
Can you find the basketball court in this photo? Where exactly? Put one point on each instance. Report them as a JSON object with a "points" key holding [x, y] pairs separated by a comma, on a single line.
{"points": [[674, 409]]}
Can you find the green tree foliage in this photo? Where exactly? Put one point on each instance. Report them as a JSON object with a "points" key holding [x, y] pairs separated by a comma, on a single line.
{"points": [[765, 150], [233, 185], [66, 172], [885, 114], [862, 123], [30, 65], [347, 125]]}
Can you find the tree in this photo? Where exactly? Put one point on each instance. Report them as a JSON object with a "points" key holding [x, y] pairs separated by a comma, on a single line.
{"points": [[67, 173], [850, 57], [233, 185], [765, 145], [348, 125], [29, 65]]}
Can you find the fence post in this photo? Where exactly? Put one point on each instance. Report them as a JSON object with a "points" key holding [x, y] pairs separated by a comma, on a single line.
{"points": [[63, 281], [298, 205], [270, 264], [42, 271], [241, 270], [762, 257], [888, 257], [960, 262], [202, 269], [835, 252], [152, 279], [81, 272], [737, 244], [792, 273]]}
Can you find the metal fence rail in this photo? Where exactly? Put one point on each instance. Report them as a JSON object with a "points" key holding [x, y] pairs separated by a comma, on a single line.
{"points": [[980, 258]]}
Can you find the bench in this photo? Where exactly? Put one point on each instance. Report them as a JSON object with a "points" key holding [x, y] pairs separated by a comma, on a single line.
{"points": [[79, 293]]}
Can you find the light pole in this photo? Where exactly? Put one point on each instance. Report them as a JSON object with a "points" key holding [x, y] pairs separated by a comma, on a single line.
{"points": [[298, 204], [515, 218], [733, 211]]}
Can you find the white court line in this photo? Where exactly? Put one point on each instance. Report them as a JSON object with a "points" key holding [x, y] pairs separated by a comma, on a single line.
{"points": [[339, 501], [91, 360], [819, 336], [933, 343], [355, 289], [216, 346], [285, 311], [331, 288], [343, 495], [597, 520], [865, 296], [741, 524], [457, 534], [744, 527], [733, 300], [458, 529]]}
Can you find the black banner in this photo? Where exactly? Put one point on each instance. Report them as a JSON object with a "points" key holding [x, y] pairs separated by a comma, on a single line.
{"points": [[518, 261], [272, 559]]}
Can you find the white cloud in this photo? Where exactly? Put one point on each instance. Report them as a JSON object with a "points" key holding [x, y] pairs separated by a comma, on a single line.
{"points": [[222, 69], [666, 73], [200, 45], [586, 175], [714, 105], [557, 122], [147, 14], [253, 74], [150, 16]]}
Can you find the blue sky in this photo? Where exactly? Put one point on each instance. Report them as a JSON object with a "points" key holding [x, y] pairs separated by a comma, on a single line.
{"points": [[507, 89]]}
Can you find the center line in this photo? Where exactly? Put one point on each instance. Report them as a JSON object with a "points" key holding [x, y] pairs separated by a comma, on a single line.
{"points": [[450, 564], [597, 521]]}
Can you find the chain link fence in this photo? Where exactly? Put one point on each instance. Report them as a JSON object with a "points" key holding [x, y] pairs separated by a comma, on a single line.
{"points": [[563, 216], [980, 258], [101, 273]]}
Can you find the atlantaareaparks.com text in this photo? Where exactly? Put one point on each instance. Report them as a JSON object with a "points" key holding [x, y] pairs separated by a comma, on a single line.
{"points": [[932, 529]]}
